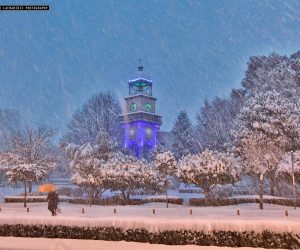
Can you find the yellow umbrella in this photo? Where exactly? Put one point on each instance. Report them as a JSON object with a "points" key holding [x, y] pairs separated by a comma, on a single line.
{"points": [[45, 188]]}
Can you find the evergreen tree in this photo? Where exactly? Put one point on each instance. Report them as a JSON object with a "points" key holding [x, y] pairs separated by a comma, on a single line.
{"points": [[183, 132]]}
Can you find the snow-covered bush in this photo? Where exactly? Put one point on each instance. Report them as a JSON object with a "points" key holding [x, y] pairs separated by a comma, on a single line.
{"points": [[207, 169], [88, 169], [127, 173]]}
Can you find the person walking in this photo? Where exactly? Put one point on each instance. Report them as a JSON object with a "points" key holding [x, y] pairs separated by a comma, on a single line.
{"points": [[53, 201]]}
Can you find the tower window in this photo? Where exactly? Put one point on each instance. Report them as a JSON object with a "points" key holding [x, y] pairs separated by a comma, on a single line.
{"points": [[132, 133], [148, 133]]}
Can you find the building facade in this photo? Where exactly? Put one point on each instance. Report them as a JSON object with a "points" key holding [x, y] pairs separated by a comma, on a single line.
{"points": [[139, 119]]}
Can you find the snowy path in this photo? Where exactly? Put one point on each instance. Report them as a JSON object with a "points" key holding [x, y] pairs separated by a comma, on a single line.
{"points": [[13, 243], [176, 217]]}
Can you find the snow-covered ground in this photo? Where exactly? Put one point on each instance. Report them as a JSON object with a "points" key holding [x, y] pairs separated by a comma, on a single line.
{"points": [[13, 243], [205, 219]]}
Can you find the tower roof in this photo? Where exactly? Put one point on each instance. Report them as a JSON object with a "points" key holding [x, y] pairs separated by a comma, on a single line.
{"points": [[140, 74], [140, 84]]}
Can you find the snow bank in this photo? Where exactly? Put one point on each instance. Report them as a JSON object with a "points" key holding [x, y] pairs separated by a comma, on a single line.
{"points": [[51, 244], [176, 217]]}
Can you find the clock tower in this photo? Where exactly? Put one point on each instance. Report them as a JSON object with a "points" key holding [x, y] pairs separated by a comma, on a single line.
{"points": [[139, 119]]}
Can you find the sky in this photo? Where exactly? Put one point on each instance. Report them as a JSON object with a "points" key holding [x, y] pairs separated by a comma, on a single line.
{"points": [[52, 62]]}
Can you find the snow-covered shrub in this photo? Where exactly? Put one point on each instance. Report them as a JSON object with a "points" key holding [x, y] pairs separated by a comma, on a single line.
{"points": [[127, 173], [88, 168], [216, 202], [221, 191], [207, 169]]}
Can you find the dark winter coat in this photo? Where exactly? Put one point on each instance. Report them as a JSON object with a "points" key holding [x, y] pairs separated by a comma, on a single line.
{"points": [[53, 201]]}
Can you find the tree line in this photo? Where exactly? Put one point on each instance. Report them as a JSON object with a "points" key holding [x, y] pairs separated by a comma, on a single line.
{"points": [[254, 131]]}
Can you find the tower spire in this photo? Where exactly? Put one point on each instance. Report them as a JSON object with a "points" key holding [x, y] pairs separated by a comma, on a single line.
{"points": [[140, 67]]}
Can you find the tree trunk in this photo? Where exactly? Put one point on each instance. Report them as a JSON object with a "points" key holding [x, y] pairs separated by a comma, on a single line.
{"points": [[206, 191], [128, 197], [261, 192], [123, 194], [272, 184], [25, 195], [90, 197], [29, 187], [167, 198]]}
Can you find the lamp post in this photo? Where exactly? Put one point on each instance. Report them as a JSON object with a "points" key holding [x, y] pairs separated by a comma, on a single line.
{"points": [[293, 179]]}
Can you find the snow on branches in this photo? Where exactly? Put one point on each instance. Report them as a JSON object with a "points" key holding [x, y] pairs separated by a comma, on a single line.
{"points": [[87, 168], [207, 169], [16, 169], [31, 156], [285, 165], [273, 115], [127, 173], [165, 164], [119, 172], [267, 126]]}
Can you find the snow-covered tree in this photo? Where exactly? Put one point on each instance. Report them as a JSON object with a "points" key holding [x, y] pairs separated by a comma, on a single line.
{"points": [[267, 126], [99, 115], [215, 121], [273, 72], [207, 169], [31, 156], [87, 164], [127, 173], [165, 164], [19, 169], [33, 146], [183, 136]]}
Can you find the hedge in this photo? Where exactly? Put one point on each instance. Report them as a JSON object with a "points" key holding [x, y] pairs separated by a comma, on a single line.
{"points": [[103, 201], [31, 199], [119, 201], [265, 239], [235, 201]]}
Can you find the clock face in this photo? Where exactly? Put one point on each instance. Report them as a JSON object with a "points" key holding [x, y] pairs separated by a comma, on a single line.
{"points": [[148, 107], [133, 107]]}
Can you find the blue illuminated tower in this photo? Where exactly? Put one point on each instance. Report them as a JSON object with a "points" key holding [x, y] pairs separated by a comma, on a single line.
{"points": [[139, 119]]}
